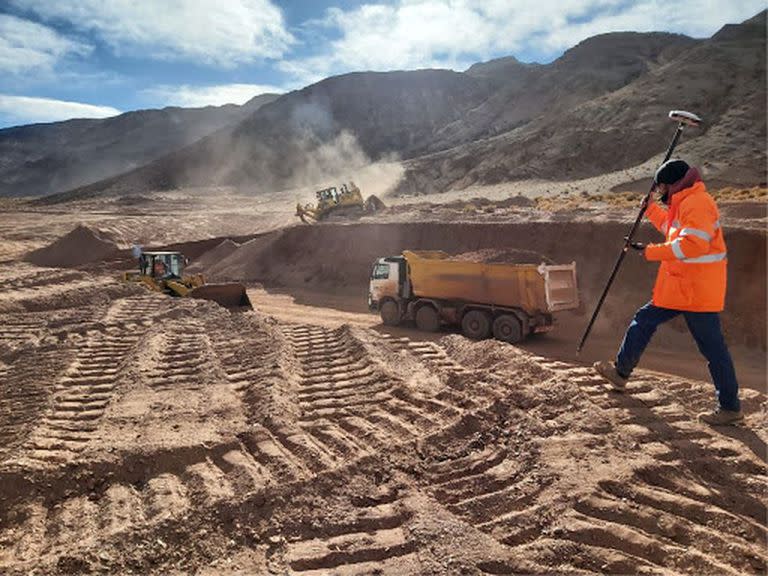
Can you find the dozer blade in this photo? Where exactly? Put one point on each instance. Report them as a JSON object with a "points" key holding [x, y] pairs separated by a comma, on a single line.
{"points": [[231, 295], [308, 217]]}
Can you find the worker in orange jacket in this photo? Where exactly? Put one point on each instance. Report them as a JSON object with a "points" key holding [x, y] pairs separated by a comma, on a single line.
{"points": [[691, 281]]}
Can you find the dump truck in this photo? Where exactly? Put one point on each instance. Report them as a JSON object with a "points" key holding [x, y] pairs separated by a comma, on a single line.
{"points": [[508, 301], [164, 272], [346, 200]]}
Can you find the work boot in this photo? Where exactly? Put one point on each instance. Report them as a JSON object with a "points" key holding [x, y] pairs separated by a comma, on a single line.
{"points": [[722, 417], [608, 371]]}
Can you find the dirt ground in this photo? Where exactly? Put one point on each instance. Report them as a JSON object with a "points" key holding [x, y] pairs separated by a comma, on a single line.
{"points": [[141, 434]]}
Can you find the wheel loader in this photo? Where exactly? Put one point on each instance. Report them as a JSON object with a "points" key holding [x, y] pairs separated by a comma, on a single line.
{"points": [[164, 272], [346, 200]]}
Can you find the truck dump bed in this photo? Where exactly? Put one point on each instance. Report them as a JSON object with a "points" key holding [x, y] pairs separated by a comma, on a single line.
{"points": [[531, 287]]}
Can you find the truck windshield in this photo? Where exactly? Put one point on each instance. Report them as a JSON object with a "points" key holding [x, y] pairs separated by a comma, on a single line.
{"points": [[380, 272]]}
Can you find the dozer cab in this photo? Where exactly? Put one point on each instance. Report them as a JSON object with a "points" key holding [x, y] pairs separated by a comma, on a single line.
{"points": [[345, 200], [164, 272]]}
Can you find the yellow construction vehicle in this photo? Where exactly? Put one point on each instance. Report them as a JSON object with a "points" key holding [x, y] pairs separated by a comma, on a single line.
{"points": [[508, 301], [345, 200], [164, 272]]}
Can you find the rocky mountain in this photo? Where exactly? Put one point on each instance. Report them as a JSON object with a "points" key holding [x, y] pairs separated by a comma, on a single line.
{"points": [[341, 121], [723, 79], [48, 158], [594, 67], [598, 108]]}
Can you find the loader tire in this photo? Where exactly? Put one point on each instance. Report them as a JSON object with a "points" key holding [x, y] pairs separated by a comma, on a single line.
{"points": [[508, 328], [390, 313], [427, 319], [476, 324]]}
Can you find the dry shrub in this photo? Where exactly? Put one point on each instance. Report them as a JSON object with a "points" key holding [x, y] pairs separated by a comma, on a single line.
{"points": [[729, 194], [632, 199]]}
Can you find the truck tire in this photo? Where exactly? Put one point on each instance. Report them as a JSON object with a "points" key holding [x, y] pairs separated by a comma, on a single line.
{"points": [[390, 313], [427, 319], [507, 328], [476, 324]]}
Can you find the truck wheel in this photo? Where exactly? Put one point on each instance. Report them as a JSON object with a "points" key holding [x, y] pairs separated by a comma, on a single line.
{"points": [[507, 328], [476, 324], [427, 319], [390, 313]]}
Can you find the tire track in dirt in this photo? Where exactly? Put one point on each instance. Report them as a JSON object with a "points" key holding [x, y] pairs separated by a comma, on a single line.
{"points": [[492, 490], [82, 394], [182, 357], [680, 510], [178, 483], [26, 389], [372, 540], [655, 517], [23, 294], [336, 368], [471, 436], [462, 387], [19, 330], [37, 277], [183, 481], [349, 404]]}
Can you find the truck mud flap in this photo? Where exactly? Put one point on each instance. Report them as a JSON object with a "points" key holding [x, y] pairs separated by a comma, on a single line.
{"points": [[232, 296]]}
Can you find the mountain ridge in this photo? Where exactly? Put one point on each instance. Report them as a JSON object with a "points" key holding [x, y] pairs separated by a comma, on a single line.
{"points": [[594, 109], [46, 158]]}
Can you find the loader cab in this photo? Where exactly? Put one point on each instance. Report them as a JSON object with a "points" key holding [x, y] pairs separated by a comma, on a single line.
{"points": [[387, 280], [162, 265]]}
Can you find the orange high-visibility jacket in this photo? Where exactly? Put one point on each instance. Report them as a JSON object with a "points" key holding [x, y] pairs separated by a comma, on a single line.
{"points": [[692, 275]]}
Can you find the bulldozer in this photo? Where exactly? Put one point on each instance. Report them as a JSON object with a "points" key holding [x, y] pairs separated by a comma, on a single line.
{"points": [[346, 200], [164, 272]]}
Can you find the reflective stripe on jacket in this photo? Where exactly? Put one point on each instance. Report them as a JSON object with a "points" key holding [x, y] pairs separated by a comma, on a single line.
{"points": [[692, 275]]}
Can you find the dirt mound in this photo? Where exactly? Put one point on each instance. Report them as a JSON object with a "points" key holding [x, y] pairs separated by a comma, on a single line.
{"points": [[504, 256], [80, 246], [213, 256]]}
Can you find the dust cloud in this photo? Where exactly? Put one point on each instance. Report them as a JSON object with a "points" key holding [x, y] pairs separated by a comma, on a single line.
{"points": [[340, 160]]}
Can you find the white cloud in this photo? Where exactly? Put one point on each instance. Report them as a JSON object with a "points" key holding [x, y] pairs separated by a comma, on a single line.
{"points": [[454, 33], [224, 34], [28, 110], [30, 47], [199, 96]]}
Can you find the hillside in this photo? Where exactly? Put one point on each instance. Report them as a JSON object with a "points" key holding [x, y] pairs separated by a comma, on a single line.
{"points": [[48, 158], [599, 108], [722, 79], [341, 121], [592, 68]]}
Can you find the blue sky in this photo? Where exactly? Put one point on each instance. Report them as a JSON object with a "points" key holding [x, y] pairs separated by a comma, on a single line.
{"points": [[63, 59]]}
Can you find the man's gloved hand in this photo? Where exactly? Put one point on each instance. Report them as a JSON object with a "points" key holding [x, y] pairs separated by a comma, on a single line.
{"points": [[635, 245]]}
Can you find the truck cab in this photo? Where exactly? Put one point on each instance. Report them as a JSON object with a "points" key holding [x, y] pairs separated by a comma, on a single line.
{"points": [[387, 281]]}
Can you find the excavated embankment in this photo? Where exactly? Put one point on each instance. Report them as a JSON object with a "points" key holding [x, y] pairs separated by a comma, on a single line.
{"points": [[337, 258]]}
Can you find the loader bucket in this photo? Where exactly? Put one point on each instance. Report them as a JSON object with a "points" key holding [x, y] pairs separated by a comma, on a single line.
{"points": [[232, 296]]}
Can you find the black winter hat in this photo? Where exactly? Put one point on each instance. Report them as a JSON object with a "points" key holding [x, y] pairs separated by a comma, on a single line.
{"points": [[670, 172]]}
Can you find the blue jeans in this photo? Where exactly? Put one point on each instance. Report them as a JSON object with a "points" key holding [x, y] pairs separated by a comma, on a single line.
{"points": [[705, 328]]}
